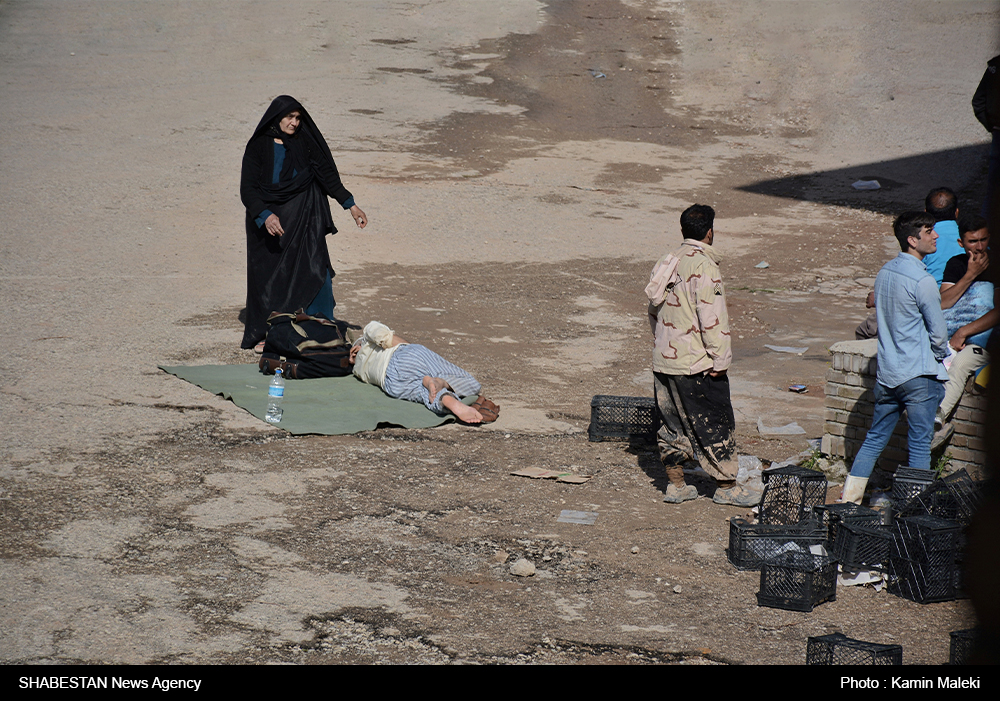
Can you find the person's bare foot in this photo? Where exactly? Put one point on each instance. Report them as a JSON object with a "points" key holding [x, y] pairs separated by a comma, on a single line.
{"points": [[434, 385], [464, 413]]}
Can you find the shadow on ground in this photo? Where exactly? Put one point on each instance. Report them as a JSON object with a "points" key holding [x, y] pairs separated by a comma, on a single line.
{"points": [[904, 181]]}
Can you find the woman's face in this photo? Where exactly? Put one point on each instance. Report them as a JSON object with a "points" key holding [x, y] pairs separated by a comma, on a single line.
{"points": [[289, 123]]}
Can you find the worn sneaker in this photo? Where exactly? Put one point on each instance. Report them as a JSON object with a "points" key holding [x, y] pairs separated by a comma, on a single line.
{"points": [[677, 495], [737, 495]]}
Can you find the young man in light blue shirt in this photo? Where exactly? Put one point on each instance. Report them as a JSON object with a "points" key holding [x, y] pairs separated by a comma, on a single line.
{"points": [[942, 204], [912, 342]]}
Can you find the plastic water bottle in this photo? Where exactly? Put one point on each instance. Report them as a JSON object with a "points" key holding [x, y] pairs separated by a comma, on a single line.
{"points": [[274, 395]]}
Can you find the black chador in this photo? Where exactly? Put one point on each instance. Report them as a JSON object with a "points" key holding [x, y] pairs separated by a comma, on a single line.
{"points": [[287, 272]]}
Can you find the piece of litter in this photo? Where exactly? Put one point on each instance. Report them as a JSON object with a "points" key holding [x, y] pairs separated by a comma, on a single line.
{"points": [[801, 389], [851, 578], [866, 185], [596, 73], [792, 429], [763, 264], [749, 472], [790, 462], [794, 350], [584, 518], [557, 475]]}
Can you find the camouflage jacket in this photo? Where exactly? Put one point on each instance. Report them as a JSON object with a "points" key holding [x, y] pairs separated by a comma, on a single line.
{"points": [[687, 312]]}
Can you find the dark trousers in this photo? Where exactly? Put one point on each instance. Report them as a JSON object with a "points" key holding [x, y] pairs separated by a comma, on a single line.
{"points": [[697, 422]]}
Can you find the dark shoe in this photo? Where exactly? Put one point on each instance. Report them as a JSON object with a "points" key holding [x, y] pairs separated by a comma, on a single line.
{"points": [[678, 495], [487, 409]]}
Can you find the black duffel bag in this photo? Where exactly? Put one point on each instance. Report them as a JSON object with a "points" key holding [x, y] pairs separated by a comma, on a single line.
{"points": [[304, 346]]}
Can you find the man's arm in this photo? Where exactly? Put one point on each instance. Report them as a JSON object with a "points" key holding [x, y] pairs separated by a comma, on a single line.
{"points": [[983, 323], [653, 311], [951, 292], [713, 319], [929, 303]]}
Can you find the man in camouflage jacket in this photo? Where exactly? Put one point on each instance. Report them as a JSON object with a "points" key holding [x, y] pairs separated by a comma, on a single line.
{"points": [[692, 351]]}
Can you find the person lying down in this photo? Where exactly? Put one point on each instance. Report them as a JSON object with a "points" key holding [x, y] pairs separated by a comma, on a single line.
{"points": [[413, 372]]}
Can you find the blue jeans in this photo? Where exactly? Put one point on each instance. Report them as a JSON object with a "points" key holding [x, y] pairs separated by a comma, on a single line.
{"points": [[920, 397]]}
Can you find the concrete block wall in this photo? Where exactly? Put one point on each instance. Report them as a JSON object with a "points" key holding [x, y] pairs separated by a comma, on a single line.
{"points": [[849, 409]]}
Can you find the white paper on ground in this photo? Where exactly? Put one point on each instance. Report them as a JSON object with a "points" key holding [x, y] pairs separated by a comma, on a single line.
{"points": [[787, 349], [866, 185], [851, 578], [792, 429], [584, 518]]}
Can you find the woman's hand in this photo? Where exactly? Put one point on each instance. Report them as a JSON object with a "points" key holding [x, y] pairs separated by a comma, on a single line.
{"points": [[273, 225], [359, 217]]}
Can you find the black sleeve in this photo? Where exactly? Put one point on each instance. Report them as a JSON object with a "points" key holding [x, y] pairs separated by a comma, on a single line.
{"points": [[979, 102], [250, 192], [955, 269], [327, 174]]}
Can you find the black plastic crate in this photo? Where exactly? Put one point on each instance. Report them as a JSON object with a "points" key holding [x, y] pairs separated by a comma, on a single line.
{"points": [[750, 544], [954, 498], [962, 642], [907, 483], [925, 559], [832, 515], [863, 547], [623, 419], [797, 581], [790, 493], [838, 649]]}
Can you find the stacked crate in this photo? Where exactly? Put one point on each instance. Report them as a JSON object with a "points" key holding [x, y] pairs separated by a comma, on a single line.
{"points": [[925, 559], [838, 649], [788, 545], [752, 544]]}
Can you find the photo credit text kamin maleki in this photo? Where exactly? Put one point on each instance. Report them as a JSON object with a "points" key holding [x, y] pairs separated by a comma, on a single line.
{"points": [[904, 683]]}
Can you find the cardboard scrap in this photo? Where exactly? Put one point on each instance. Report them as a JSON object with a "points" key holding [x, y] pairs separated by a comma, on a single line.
{"points": [[557, 475]]}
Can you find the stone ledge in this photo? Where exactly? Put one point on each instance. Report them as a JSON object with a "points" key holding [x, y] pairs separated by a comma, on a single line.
{"points": [[849, 409]]}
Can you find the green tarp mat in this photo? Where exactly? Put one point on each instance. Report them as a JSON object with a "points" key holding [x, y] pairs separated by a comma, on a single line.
{"points": [[328, 406]]}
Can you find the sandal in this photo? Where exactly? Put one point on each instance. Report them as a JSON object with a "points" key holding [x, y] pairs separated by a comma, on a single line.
{"points": [[259, 348], [487, 409]]}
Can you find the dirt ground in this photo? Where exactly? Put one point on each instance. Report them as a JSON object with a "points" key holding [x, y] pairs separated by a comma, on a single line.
{"points": [[523, 165]]}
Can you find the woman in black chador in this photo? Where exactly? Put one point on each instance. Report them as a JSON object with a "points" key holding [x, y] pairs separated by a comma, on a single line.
{"points": [[288, 172]]}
